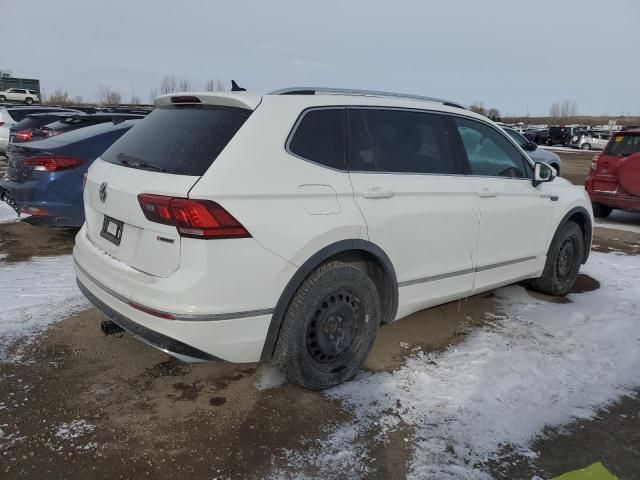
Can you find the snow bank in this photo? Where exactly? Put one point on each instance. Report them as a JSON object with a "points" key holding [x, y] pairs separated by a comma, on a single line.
{"points": [[34, 294], [541, 364], [7, 214]]}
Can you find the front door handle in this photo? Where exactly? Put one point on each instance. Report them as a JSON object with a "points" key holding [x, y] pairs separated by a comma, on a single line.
{"points": [[487, 193], [377, 192]]}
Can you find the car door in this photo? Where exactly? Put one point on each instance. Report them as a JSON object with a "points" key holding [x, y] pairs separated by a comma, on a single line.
{"points": [[417, 206], [515, 216]]}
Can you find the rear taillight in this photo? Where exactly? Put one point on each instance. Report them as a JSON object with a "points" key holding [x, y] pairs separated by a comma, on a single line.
{"points": [[51, 164], [23, 135], [594, 162], [1, 124], [192, 218]]}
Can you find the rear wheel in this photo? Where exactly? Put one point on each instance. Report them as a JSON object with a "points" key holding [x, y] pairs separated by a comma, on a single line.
{"points": [[28, 100], [3, 98], [563, 261], [600, 210], [329, 327], [586, 146]]}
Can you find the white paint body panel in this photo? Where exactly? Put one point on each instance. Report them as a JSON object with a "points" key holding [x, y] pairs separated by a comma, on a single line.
{"points": [[437, 230]]}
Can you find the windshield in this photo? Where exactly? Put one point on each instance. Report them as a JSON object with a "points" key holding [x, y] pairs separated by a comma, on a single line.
{"points": [[623, 145]]}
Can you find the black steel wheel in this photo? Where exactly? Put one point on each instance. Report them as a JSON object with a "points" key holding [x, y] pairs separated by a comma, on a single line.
{"points": [[563, 261], [329, 327]]}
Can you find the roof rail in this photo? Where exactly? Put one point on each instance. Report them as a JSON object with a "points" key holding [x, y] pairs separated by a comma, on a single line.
{"points": [[363, 93]]}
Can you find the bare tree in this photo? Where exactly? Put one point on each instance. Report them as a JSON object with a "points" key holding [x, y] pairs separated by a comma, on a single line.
{"points": [[135, 100], [563, 110], [153, 94], [214, 86], [494, 114], [112, 97], [78, 100], [478, 107], [168, 84], [184, 85], [59, 97]]}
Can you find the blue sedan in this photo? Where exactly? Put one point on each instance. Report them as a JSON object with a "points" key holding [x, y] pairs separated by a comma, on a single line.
{"points": [[45, 178]]}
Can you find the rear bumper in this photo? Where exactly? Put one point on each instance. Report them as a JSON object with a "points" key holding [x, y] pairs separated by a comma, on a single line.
{"points": [[40, 198], [166, 344], [195, 333], [616, 201]]}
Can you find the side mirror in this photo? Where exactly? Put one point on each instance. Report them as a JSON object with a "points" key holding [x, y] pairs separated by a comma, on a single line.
{"points": [[532, 146], [543, 173]]}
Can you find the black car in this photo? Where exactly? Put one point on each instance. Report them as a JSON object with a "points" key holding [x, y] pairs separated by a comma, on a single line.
{"points": [[539, 137], [562, 135], [80, 121]]}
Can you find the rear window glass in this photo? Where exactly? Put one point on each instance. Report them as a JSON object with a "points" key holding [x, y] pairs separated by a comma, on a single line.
{"points": [[19, 114], [35, 121], [182, 140], [320, 137], [623, 145], [79, 134]]}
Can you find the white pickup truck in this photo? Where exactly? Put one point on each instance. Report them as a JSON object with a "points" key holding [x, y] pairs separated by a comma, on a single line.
{"points": [[19, 95]]}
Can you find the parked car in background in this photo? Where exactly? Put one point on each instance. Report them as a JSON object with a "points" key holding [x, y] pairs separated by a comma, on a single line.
{"points": [[81, 121], [536, 154], [562, 135], [590, 140], [19, 95], [539, 137], [614, 179], [287, 227], [14, 114], [45, 178], [22, 131]]}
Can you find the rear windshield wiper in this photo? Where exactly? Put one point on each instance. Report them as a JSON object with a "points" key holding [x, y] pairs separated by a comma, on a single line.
{"points": [[137, 163]]}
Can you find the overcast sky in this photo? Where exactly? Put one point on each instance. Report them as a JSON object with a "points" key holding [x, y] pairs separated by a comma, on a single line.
{"points": [[514, 55]]}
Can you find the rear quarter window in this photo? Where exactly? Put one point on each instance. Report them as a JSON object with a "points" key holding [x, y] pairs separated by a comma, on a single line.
{"points": [[623, 145], [320, 137], [181, 140]]}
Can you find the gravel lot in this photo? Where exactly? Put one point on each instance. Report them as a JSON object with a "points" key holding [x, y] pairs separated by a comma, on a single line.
{"points": [[76, 404]]}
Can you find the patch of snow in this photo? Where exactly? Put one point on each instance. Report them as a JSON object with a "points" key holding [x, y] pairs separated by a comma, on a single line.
{"points": [[269, 377], [541, 365], [35, 294], [73, 430], [7, 214]]}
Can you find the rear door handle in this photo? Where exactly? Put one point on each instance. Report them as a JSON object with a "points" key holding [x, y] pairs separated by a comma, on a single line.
{"points": [[377, 192], [487, 193]]}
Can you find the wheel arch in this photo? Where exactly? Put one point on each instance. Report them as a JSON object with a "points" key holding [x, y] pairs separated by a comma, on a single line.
{"points": [[349, 251], [581, 216]]}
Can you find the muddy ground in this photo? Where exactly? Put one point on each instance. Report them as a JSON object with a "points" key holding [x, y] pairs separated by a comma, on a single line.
{"points": [[81, 405]]}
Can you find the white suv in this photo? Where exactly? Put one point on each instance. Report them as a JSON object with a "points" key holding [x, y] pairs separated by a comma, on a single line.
{"points": [[19, 95], [287, 227]]}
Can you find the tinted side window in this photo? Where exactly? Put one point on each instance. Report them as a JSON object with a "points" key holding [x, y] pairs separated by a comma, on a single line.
{"points": [[320, 137], [400, 141], [489, 152]]}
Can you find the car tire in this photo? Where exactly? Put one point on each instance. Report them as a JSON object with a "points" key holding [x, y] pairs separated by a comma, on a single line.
{"points": [[3, 98], [28, 100], [586, 146], [563, 262], [329, 327], [600, 210]]}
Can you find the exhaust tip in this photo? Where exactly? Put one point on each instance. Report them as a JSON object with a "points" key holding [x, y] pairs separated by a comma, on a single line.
{"points": [[110, 328]]}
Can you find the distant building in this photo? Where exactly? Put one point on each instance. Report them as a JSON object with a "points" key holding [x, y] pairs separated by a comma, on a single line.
{"points": [[7, 80]]}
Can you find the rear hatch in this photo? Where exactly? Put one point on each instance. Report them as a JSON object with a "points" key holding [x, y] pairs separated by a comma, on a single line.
{"points": [[612, 169], [164, 155]]}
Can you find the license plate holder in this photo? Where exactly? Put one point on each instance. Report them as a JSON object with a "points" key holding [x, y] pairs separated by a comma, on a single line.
{"points": [[112, 230]]}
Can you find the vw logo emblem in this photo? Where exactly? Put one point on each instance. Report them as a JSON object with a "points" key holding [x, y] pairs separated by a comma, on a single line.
{"points": [[103, 192]]}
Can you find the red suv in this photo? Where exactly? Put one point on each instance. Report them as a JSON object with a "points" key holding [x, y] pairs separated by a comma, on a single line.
{"points": [[614, 178]]}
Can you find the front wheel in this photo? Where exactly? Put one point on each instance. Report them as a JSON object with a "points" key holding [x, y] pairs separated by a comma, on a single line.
{"points": [[28, 100], [586, 146], [3, 98], [329, 327], [563, 261]]}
